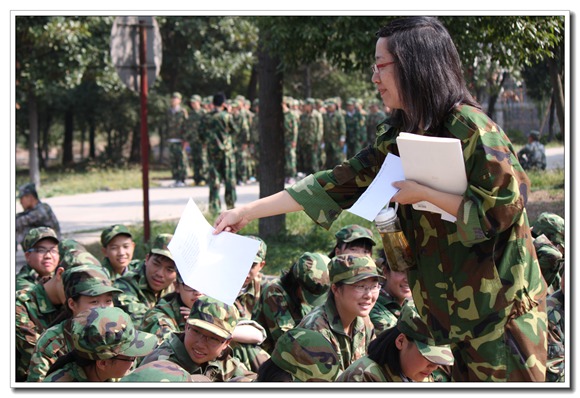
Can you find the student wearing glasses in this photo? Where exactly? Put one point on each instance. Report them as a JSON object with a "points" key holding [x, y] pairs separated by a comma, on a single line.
{"points": [[203, 348], [105, 345], [344, 318], [42, 256], [476, 281]]}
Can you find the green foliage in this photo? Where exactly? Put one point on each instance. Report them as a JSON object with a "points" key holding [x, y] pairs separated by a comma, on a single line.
{"points": [[546, 179]]}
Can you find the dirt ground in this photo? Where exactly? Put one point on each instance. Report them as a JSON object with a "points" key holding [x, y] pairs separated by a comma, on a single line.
{"points": [[545, 201]]}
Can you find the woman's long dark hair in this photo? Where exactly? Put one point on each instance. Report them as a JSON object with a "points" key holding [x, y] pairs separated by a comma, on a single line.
{"points": [[69, 358], [428, 72], [383, 350], [290, 285], [269, 371]]}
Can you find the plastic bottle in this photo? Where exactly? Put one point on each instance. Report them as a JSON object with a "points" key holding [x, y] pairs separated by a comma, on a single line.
{"points": [[397, 250]]}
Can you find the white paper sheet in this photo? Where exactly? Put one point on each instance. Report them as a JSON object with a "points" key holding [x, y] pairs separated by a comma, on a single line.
{"points": [[380, 191], [216, 265]]}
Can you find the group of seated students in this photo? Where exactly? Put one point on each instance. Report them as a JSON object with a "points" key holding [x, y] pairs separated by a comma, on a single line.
{"points": [[344, 317]]}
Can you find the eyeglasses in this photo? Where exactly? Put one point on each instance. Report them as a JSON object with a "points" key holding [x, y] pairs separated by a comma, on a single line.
{"points": [[376, 68], [212, 342], [363, 289], [124, 358], [43, 250]]}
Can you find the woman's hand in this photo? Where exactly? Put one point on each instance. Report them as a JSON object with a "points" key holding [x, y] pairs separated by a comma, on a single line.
{"points": [[232, 220], [410, 192]]}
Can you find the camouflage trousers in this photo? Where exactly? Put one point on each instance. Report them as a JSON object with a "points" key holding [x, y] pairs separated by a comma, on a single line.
{"points": [[334, 155], [310, 159], [517, 352], [222, 168], [242, 164], [290, 162], [199, 162], [178, 161]]}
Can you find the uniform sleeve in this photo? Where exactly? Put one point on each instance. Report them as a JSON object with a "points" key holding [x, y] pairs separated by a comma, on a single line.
{"points": [[129, 302], [278, 319], [26, 337], [158, 324]]}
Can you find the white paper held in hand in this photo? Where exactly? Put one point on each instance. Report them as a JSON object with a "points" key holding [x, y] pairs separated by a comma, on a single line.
{"points": [[436, 162], [216, 265], [381, 189]]}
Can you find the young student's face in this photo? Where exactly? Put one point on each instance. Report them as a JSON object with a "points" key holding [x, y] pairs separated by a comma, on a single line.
{"points": [[352, 300], [202, 345], [397, 284], [27, 202], [45, 257], [355, 249], [160, 271], [254, 271], [385, 80], [413, 364], [187, 294], [120, 251], [88, 302]]}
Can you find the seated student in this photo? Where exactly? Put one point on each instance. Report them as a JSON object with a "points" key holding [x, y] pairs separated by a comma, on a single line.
{"points": [[40, 247], [533, 154], [143, 288], [555, 369], [204, 346], [301, 355], [118, 248], [170, 313], [162, 371], [343, 319], [85, 287], [405, 353], [105, 345], [353, 239], [548, 233], [291, 297], [393, 295], [36, 310]]}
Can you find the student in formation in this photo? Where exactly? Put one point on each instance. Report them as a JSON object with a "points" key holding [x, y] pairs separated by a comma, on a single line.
{"points": [[42, 256], [85, 287], [203, 348], [118, 248], [353, 239], [143, 288], [288, 299], [405, 353], [301, 355], [105, 345], [343, 319]]}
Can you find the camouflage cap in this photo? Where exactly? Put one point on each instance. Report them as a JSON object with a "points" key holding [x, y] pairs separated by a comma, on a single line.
{"points": [[551, 225], [87, 280], [68, 245], [412, 325], [261, 254], [287, 100], [105, 332], [351, 101], [350, 269], [311, 272], [27, 189], [309, 101], [307, 355], [176, 95], [160, 245], [74, 258], [37, 234], [214, 316], [195, 98], [535, 133], [110, 232], [256, 102], [353, 232], [162, 370]]}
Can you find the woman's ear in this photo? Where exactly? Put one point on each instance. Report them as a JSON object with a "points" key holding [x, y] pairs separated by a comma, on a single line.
{"points": [[400, 341]]}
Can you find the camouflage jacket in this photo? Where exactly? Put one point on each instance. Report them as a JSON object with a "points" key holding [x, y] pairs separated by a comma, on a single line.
{"points": [[471, 274], [165, 318], [113, 276], [310, 130], [39, 216], [325, 319], [356, 131], [551, 261], [27, 278], [290, 130], [533, 155], [334, 128], [192, 127], [34, 314], [137, 297], [556, 342], [248, 300], [385, 312], [175, 121], [222, 369], [365, 369], [71, 372], [373, 120], [219, 131], [51, 345], [279, 313]]}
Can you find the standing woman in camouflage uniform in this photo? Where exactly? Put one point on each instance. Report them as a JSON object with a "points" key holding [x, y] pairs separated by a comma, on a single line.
{"points": [[175, 121], [475, 282]]}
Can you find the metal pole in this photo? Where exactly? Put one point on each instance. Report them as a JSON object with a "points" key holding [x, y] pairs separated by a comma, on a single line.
{"points": [[144, 132]]}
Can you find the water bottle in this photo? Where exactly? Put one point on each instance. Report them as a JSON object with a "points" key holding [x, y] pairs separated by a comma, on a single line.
{"points": [[397, 250]]}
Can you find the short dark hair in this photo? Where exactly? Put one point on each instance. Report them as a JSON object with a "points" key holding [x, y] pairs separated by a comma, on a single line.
{"points": [[219, 99], [269, 371], [428, 72]]}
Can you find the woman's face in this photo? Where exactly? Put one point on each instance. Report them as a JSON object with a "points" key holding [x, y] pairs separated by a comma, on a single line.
{"points": [[397, 285], [413, 364], [385, 78], [357, 299]]}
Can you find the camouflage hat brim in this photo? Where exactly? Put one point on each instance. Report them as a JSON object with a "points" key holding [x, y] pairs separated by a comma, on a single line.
{"points": [[361, 277], [210, 327], [440, 355], [162, 252], [312, 299], [98, 290]]}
